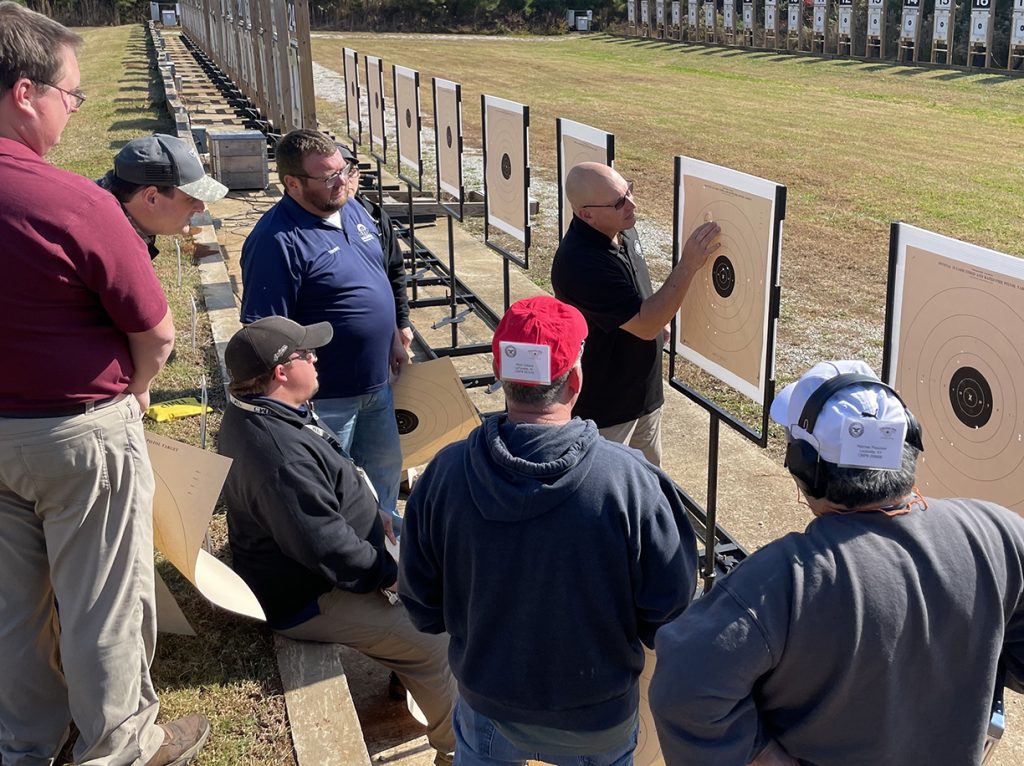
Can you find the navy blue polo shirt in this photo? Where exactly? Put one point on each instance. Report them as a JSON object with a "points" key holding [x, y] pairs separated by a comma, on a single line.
{"points": [[607, 282], [298, 265]]}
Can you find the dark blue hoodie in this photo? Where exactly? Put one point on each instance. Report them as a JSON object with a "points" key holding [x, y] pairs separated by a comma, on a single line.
{"points": [[548, 554]]}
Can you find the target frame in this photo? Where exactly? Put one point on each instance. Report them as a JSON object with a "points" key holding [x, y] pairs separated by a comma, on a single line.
{"points": [[745, 363], [506, 150], [576, 142], [954, 316], [405, 85], [448, 119], [375, 93], [350, 71]]}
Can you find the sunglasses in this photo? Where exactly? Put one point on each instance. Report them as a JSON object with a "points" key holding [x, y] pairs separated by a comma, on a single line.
{"points": [[621, 201]]}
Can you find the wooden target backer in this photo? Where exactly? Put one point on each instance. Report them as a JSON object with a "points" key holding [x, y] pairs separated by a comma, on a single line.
{"points": [[406, 84], [578, 143], [448, 136], [375, 105], [953, 350], [506, 176], [350, 62], [725, 322]]}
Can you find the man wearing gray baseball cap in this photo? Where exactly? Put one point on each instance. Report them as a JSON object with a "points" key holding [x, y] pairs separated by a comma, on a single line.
{"points": [[877, 634], [160, 182]]}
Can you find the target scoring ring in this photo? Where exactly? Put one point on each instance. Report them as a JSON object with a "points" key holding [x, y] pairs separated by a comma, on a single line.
{"points": [[723, 276]]}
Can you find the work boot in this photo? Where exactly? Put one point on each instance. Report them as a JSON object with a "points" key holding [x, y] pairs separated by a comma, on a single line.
{"points": [[183, 738]]}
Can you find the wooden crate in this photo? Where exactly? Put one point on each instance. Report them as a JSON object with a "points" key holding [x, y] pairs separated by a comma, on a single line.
{"points": [[238, 159]]}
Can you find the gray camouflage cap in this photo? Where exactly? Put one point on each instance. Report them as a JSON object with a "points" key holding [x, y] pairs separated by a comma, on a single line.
{"points": [[162, 160]]}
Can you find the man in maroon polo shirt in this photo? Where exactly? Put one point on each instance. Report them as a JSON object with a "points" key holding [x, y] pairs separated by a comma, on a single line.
{"points": [[85, 328]]}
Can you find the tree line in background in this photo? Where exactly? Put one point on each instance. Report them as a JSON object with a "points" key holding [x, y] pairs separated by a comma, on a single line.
{"points": [[537, 16], [541, 16]]}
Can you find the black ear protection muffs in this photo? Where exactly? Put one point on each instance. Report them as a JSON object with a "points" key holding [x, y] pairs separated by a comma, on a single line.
{"points": [[802, 458]]}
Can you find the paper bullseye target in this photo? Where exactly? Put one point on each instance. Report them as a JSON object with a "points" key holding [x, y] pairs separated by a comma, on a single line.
{"points": [[448, 136], [724, 319], [505, 165], [350, 60], [375, 101], [432, 410], [954, 354], [578, 143], [406, 87]]}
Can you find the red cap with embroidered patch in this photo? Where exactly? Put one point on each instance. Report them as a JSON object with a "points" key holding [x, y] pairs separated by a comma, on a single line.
{"points": [[538, 340]]}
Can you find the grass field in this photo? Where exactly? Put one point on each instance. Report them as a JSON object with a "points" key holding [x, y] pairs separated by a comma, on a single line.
{"points": [[228, 672], [857, 144]]}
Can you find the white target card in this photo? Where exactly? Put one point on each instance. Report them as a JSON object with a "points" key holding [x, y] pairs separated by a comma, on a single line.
{"points": [[375, 103], [506, 173], [726, 322], [448, 136], [953, 350], [350, 62], [578, 143], [406, 89]]}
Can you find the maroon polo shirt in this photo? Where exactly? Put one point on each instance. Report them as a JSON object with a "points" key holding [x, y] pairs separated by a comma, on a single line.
{"points": [[75, 279]]}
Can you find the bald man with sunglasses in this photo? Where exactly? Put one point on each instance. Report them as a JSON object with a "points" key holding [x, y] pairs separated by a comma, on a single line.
{"points": [[599, 268]]}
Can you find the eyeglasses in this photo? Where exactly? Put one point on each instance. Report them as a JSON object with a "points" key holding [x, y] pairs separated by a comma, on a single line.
{"points": [[330, 181], [621, 201], [77, 95], [305, 354]]}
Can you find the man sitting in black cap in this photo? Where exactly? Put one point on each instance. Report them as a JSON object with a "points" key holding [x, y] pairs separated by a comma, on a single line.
{"points": [[306, 532], [160, 182]]}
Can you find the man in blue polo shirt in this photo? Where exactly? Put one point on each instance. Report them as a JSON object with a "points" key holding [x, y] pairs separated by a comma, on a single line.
{"points": [[301, 262]]}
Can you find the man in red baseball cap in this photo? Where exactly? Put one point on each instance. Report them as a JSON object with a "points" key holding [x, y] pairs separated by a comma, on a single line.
{"points": [[549, 554]]}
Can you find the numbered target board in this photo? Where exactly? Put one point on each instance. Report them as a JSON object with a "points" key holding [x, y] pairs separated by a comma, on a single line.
{"points": [[1017, 24], [820, 16], [691, 13], [876, 18], [631, 12], [954, 323], [795, 21], [981, 21], [726, 322], [375, 104], [676, 18], [350, 62], [846, 17], [909, 21], [771, 17], [748, 16], [941, 23]]}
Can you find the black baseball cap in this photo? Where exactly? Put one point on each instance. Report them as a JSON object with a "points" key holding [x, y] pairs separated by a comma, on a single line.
{"points": [[162, 160], [259, 347], [347, 154]]}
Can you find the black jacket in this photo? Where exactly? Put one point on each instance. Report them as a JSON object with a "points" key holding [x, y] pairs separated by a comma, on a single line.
{"points": [[300, 518]]}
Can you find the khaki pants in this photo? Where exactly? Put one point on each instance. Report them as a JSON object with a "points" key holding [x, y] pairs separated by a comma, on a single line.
{"points": [[77, 619], [368, 623], [643, 434]]}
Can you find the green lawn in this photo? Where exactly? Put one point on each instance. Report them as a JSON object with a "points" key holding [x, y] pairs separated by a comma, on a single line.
{"points": [[857, 144]]}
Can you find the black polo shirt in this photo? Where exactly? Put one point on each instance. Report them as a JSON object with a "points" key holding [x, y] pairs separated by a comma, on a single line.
{"points": [[621, 373]]}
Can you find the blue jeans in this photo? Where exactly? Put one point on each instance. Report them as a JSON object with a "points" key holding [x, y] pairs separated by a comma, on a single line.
{"points": [[479, 743], [368, 431]]}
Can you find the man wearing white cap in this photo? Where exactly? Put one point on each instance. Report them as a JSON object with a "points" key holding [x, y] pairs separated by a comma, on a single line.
{"points": [[160, 182], [873, 636], [550, 555]]}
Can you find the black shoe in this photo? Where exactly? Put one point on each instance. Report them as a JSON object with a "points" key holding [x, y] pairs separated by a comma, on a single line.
{"points": [[396, 689]]}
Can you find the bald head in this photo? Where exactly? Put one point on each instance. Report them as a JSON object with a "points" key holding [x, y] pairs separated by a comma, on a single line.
{"points": [[591, 183]]}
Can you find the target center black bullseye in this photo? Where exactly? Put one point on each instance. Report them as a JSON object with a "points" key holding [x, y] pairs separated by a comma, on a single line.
{"points": [[723, 276], [448, 136], [506, 166], [408, 118], [971, 397], [407, 421]]}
